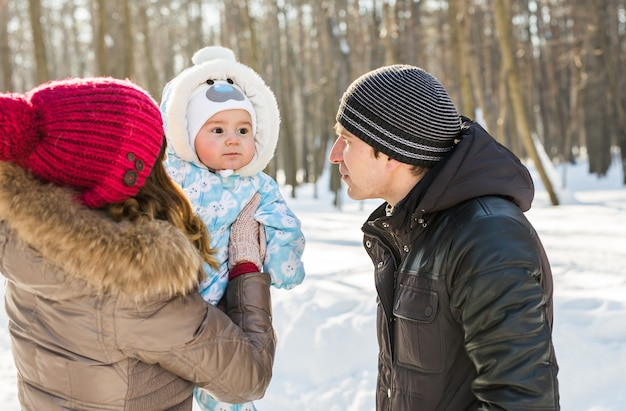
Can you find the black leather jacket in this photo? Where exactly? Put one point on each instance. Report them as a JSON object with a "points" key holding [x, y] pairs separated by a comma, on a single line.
{"points": [[465, 289]]}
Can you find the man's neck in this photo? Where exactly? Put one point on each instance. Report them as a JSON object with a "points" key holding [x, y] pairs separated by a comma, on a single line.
{"points": [[403, 183]]}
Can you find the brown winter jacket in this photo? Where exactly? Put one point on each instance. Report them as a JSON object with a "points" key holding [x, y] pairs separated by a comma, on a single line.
{"points": [[105, 316], [464, 289]]}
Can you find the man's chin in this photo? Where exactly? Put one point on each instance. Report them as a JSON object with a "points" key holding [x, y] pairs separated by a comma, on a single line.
{"points": [[354, 195]]}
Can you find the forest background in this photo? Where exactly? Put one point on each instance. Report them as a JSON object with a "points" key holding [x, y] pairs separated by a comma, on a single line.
{"points": [[545, 77]]}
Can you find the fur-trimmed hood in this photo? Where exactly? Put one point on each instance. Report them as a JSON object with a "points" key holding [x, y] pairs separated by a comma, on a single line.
{"points": [[219, 63], [140, 260]]}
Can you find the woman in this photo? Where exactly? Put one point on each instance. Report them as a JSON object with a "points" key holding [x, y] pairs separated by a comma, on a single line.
{"points": [[103, 255]]}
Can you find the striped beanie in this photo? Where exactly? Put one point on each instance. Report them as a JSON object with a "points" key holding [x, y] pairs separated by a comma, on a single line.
{"points": [[403, 112], [99, 136]]}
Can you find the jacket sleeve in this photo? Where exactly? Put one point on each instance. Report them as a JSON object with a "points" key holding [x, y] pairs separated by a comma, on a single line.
{"points": [[285, 239], [230, 355], [497, 298]]}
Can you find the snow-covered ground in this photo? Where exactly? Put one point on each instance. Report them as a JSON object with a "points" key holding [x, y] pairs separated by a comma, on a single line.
{"points": [[326, 359]]}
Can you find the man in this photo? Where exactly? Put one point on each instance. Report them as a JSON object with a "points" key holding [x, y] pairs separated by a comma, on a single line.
{"points": [[464, 285]]}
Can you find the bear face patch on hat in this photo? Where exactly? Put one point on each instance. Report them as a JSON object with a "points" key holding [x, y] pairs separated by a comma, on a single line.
{"points": [[403, 112], [213, 97]]}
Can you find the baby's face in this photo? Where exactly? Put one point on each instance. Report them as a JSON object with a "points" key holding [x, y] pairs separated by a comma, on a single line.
{"points": [[225, 141]]}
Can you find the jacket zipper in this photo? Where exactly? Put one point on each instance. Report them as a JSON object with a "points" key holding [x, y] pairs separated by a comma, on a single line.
{"points": [[388, 241]]}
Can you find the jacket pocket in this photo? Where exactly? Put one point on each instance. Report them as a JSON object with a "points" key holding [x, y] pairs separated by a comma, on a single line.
{"points": [[419, 341]]}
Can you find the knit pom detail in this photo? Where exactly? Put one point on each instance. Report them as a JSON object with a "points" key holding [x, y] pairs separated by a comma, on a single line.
{"points": [[18, 127], [213, 53], [100, 136]]}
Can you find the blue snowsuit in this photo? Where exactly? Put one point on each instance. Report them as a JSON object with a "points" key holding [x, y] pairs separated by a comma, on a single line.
{"points": [[219, 199]]}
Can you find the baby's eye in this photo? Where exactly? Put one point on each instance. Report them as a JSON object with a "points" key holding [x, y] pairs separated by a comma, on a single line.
{"points": [[217, 130], [243, 131]]}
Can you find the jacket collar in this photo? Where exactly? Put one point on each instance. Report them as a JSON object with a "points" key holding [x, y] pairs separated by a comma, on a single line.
{"points": [[141, 260], [478, 166]]}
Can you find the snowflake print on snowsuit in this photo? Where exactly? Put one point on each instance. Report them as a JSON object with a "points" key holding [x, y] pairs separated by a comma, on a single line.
{"points": [[221, 83]]}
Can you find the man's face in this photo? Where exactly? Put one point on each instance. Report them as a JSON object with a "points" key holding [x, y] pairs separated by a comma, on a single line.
{"points": [[365, 175]]}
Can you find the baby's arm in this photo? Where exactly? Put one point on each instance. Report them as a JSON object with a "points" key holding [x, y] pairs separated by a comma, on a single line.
{"points": [[284, 238]]}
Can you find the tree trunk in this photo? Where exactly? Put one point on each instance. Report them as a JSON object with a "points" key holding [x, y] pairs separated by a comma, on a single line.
{"points": [[152, 79], [251, 46], [594, 97], [41, 61], [475, 66], [616, 96], [573, 92], [456, 20], [388, 34], [340, 70], [128, 42], [195, 34], [521, 120], [6, 59], [292, 105], [99, 25]]}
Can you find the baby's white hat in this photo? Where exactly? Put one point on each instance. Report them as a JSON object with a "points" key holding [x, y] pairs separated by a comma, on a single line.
{"points": [[212, 97], [189, 100]]}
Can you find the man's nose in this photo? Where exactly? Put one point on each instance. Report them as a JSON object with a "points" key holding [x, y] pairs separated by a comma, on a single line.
{"points": [[336, 152]]}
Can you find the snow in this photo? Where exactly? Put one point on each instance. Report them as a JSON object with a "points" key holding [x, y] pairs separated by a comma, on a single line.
{"points": [[326, 358]]}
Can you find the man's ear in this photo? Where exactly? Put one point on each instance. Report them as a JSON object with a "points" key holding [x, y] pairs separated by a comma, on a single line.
{"points": [[392, 164]]}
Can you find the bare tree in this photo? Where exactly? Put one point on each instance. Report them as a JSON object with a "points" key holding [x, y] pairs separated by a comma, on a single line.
{"points": [[594, 95], [286, 144], [100, 33], [566, 57], [41, 61], [128, 41], [611, 66], [339, 68], [457, 18], [152, 82], [521, 120], [6, 62]]}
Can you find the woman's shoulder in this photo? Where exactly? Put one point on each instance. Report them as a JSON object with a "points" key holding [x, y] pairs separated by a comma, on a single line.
{"points": [[137, 259]]}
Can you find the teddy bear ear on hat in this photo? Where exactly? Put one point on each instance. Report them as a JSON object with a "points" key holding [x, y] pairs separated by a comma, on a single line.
{"points": [[220, 64], [18, 128], [213, 53]]}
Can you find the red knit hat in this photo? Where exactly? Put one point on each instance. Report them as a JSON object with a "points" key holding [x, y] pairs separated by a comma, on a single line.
{"points": [[100, 136]]}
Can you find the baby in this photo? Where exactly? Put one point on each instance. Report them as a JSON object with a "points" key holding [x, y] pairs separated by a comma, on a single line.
{"points": [[222, 124]]}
